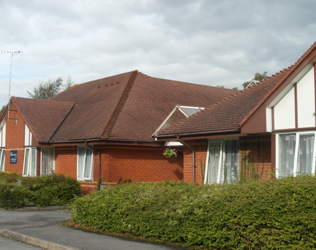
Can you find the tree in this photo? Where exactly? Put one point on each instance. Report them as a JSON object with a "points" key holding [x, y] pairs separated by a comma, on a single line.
{"points": [[223, 87], [50, 88], [257, 77]]}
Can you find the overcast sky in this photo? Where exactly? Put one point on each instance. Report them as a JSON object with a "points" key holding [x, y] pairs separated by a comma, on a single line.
{"points": [[209, 42]]}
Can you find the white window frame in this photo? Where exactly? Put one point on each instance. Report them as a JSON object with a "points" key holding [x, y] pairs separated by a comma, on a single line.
{"points": [[2, 163], [82, 178], [29, 170], [3, 135], [297, 136], [220, 176], [41, 167], [27, 136]]}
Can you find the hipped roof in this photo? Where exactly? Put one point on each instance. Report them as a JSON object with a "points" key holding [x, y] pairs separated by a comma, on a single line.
{"points": [[125, 107], [43, 117]]}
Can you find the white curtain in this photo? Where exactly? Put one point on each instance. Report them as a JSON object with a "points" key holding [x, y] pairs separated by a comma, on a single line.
{"points": [[26, 161], [305, 154], [214, 162], [81, 158], [2, 159], [88, 163], [232, 161], [47, 161], [33, 162], [286, 154]]}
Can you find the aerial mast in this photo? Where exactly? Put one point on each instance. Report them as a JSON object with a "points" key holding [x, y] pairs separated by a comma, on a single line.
{"points": [[12, 53]]}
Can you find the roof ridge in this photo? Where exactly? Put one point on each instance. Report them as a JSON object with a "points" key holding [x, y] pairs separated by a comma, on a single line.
{"points": [[41, 100], [66, 116], [119, 106], [78, 84]]}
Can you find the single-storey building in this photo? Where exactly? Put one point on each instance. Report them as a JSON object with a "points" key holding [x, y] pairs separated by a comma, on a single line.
{"points": [[101, 128], [265, 131], [119, 126]]}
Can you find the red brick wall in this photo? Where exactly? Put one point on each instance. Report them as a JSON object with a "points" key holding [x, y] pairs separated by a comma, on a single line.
{"points": [[136, 163], [140, 163], [66, 161], [200, 148], [14, 141], [259, 150]]}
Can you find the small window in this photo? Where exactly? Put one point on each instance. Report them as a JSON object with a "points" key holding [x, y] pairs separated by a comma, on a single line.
{"points": [[2, 135], [29, 163], [47, 161], [27, 136], [2, 159], [85, 163], [222, 162]]}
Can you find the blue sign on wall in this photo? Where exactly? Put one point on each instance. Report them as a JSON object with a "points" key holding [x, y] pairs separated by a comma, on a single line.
{"points": [[13, 156]]}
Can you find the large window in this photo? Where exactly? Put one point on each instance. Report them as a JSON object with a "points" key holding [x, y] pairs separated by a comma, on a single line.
{"points": [[47, 161], [29, 163], [222, 162], [2, 159], [295, 154], [85, 163]]}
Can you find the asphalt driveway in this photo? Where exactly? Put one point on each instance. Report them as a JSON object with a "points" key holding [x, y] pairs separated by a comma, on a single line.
{"points": [[44, 227]]}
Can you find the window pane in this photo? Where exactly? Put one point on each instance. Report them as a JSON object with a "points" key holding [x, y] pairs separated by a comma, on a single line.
{"points": [[47, 161], [286, 154], [213, 164], [33, 162], [26, 161], [81, 156], [87, 172], [305, 154], [232, 161], [2, 155]]}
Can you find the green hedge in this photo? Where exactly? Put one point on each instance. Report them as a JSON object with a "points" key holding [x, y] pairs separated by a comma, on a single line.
{"points": [[47, 190], [275, 214]]}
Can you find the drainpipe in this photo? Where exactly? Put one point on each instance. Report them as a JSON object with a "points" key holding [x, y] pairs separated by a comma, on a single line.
{"points": [[99, 158], [193, 158]]}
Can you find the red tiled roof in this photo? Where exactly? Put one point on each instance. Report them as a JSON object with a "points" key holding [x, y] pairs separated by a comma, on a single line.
{"points": [[43, 117], [129, 106], [225, 115]]}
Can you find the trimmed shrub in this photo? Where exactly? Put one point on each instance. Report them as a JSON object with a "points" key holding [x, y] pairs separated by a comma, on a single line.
{"points": [[274, 214], [47, 190], [13, 196], [8, 177]]}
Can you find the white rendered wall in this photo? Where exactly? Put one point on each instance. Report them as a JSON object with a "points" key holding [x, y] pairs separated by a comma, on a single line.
{"points": [[284, 112], [306, 100]]}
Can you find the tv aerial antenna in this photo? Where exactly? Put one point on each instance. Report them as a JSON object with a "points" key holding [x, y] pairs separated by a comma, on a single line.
{"points": [[12, 53]]}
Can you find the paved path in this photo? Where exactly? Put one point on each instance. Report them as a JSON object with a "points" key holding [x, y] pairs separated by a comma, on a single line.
{"points": [[43, 228]]}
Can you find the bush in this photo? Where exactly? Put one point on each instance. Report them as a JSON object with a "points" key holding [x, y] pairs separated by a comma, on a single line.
{"points": [[47, 190], [12, 196], [8, 177], [275, 214]]}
